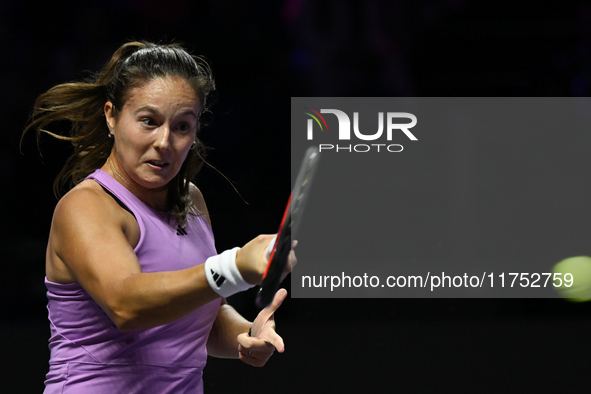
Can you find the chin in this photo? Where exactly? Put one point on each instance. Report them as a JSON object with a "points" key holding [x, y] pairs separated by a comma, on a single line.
{"points": [[154, 183], [151, 180]]}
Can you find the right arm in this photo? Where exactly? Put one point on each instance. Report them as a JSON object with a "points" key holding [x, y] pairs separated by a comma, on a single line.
{"points": [[88, 237]]}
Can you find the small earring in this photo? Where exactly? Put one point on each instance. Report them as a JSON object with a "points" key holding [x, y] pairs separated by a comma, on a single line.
{"points": [[110, 135], [193, 145]]}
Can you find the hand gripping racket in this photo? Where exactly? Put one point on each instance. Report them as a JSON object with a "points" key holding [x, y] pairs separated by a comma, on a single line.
{"points": [[288, 228]]}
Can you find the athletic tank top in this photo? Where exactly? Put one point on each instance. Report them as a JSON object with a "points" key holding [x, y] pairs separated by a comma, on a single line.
{"points": [[89, 354]]}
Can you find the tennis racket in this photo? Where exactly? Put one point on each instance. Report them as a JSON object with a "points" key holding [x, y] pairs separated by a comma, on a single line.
{"points": [[288, 228]]}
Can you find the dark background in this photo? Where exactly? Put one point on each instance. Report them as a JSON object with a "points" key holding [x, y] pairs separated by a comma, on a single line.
{"points": [[262, 54]]}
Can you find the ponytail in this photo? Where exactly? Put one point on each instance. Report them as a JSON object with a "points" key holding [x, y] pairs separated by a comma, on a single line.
{"points": [[82, 104]]}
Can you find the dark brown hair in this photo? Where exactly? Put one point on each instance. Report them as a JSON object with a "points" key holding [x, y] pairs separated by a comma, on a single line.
{"points": [[82, 103]]}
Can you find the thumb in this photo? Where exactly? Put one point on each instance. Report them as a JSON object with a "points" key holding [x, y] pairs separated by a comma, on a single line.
{"points": [[277, 342]]}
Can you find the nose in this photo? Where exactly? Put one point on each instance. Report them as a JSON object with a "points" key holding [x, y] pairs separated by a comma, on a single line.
{"points": [[162, 141]]}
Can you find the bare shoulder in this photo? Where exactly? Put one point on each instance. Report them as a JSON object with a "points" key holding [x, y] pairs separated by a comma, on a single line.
{"points": [[85, 200], [199, 201], [86, 210], [84, 220]]}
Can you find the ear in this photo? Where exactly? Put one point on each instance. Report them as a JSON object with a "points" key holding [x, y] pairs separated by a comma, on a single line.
{"points": [[110, 116]]}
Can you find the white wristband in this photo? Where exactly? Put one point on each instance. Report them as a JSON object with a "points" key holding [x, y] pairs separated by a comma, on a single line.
{"points": [[223, 275]]}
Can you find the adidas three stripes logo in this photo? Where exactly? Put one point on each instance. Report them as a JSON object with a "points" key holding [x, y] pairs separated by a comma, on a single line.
{"points": [[219, 280]]}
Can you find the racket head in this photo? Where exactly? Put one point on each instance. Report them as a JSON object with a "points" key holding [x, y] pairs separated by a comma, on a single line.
{"points": [[291, 218]]}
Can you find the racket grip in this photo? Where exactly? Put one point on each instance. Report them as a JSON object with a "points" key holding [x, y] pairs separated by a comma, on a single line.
{"points": [[270, 247]]}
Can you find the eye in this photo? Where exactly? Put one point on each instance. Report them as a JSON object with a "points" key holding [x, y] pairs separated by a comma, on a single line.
{"points": [[184, 126], [147, 121]]}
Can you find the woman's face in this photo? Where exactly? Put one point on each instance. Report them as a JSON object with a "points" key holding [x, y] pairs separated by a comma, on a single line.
{"points": [[154, 130]]}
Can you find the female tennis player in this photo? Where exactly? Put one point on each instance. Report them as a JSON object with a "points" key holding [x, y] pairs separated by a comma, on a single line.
{"points": [[136, 290]]}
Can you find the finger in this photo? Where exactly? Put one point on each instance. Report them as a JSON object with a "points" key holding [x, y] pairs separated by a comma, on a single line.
{"points": [[267, 243], [280, 296], [244, 341], [250, 358], [292, 260], [254, 361], [259, 348], [277, 300], [270, 247], [268, 339], [266, 313], [275, 340]]}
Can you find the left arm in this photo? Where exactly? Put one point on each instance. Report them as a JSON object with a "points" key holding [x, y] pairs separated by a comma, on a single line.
{"points": [[222, 342], [229, 335]]}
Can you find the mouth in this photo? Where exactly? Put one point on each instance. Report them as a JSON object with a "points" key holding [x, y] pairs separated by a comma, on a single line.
{"points": [[157, 164]]}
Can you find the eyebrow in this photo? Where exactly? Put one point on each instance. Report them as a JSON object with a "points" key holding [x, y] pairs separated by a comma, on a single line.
{"points": [[157, 112]]}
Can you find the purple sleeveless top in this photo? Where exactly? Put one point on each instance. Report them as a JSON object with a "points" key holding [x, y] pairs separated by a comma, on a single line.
{"points": [[90, 355]]}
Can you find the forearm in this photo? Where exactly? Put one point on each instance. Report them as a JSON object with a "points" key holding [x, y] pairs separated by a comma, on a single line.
{"points": [[147, 300], [228, 325]]}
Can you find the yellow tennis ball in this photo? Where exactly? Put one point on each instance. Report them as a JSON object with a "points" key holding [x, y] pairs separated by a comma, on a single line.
{"points": [[580, 269]]}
